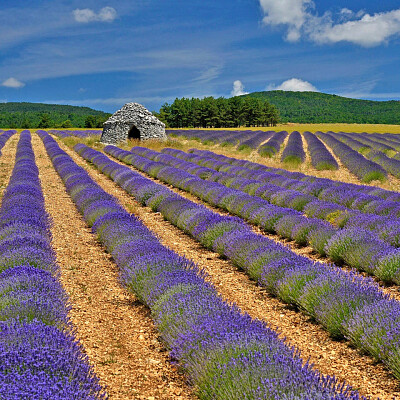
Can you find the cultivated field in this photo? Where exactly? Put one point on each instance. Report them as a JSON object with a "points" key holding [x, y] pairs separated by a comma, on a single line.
{"points": [[211, 266]]}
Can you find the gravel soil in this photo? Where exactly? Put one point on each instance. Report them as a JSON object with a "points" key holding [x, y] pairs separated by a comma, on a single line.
{"points": [[115, 329], [330, 357], [7, 159]]}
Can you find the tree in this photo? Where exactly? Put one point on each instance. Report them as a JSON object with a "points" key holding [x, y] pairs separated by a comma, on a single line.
{"points": [[67, 124], [26, 123], [45, 121], [90, 121]]}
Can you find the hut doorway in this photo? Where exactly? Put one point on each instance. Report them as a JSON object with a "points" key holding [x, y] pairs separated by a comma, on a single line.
{"points": [[134, 133]]}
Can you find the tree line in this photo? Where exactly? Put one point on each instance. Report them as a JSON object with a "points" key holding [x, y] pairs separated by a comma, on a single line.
{"points": [[42, 116], [46, 120], [220, 112]]}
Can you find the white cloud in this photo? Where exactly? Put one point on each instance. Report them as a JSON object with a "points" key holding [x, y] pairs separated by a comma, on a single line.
{"points": [[86, 15], [13, 83], [292, 13], [369, 31], [238, 89], [294, 85], [107, 14], [358, 28]]}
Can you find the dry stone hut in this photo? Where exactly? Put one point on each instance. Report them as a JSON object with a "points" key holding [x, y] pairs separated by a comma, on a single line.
{"points": [[132, 121]]}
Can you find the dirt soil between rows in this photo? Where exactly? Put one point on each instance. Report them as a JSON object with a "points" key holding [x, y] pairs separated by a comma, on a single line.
{"points": [[328, 356]]}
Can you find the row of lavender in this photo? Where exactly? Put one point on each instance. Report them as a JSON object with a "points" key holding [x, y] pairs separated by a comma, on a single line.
{"points": [[346, 147], [346, 304], [321, 157], [4, 138], [360, 245], [293, 152], [273, 145], [393, 140], [374, 141], [377, 148], [364, 169], [255, 141], [208, 136], [79, 134], [242, 139], [211, 339], [375, 151], [374, 168], [40, 357], [368, 199]]}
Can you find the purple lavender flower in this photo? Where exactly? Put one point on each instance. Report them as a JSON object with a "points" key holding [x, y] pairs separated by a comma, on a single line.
{"points": [[294, 152], [273, 145], [357, 164], [321, 158]]}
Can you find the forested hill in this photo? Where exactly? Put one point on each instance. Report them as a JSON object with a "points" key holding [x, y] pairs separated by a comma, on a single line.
{"points": [[39, 115], [314, 107]]}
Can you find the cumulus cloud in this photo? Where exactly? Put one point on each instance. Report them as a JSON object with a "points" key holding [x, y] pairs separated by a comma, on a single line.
{"points": [[359, 28], [292, 13], [294, 85], [369, 31], [13, 83], [238, 89], [86, 15]]}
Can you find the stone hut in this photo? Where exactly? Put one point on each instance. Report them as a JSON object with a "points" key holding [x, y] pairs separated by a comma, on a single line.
{"points": [[132, 121]]}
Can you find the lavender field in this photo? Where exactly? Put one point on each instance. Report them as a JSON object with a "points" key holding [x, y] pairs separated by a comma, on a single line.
{"points": [[216, 265]]}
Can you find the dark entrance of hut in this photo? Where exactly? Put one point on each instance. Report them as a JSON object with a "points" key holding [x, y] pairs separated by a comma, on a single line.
{"points": [[134, 133]]}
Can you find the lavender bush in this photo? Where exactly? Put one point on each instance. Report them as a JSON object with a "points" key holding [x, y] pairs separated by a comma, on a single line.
{"points": [[321, 158], [4, 136], [273, 145], [294, 153], [254, 142]]}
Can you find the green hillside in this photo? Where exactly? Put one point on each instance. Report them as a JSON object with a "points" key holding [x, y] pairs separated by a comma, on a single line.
{"points": [[314, 107], [38, 115]]}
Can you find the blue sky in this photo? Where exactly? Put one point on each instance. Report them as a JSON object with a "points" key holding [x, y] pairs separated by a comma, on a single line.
{"points": [[103, 54]]}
